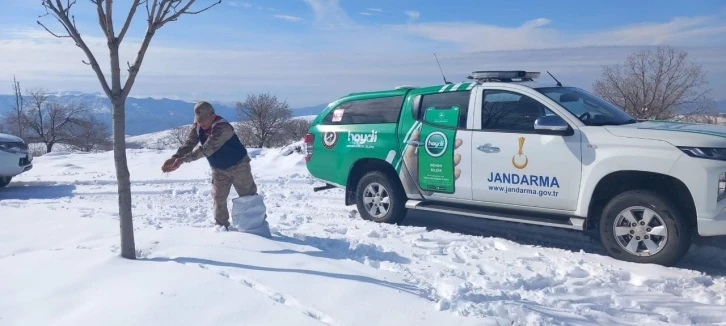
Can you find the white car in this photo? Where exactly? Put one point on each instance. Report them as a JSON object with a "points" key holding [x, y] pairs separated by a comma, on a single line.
{"points": [[15, 158]]}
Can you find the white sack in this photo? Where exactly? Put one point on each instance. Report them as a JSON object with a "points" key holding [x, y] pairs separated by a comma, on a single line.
{"points": [[248, 215]]}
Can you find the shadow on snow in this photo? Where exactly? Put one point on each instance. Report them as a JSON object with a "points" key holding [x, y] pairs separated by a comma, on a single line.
{"points": [[339, 249], [707, 255], [36, 191], [348, 277]]}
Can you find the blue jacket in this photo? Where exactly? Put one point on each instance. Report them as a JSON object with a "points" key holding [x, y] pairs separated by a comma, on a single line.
{"points": [[231, 152]]}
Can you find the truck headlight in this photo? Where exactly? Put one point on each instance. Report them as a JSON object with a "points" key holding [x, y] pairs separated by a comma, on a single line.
{"points": [[705, 152], [13, 147]]}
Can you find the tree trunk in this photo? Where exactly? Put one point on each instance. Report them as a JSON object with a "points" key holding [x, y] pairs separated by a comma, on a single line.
{"points": [[48, 147], [128, 248]]}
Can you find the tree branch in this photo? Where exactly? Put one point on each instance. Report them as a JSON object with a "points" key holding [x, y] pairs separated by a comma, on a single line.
{"points": [[109, 21], [158, 20], [51, 33], [62, 15], [102, 18], [134, 69], [185, 10], [126, 25]]}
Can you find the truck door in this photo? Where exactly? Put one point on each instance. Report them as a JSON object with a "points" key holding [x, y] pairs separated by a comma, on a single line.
{"points": [[436, 154], [514, 164]]}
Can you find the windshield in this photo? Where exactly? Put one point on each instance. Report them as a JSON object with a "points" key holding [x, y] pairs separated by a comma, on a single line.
{"points": [[592, 110]]}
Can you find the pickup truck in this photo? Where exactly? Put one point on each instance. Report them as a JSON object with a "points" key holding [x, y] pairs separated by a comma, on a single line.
{"points": [[502, 146], [15, 158]]}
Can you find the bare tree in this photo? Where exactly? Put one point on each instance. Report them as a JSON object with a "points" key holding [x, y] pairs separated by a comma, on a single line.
{"points": [[10, 123], [246, 133], [265, 115], [656, 84], [18, 109], [90, 134], [178, 135], [51, 122], [159, 13], [296, 129], [5, 124]]}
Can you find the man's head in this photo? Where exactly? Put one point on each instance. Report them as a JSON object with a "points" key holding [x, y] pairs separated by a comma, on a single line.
{"points": [[204, 114]]}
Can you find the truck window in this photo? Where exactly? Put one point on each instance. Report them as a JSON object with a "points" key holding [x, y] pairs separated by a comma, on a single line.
{"points": [[446, 99], [509, 111], [377, 110]]}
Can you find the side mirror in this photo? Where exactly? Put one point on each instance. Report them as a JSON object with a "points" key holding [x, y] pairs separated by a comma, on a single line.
{"points": [[552, 125]]}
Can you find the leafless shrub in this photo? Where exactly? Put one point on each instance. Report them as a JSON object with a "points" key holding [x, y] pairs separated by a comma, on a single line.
{"points": [[90, 135], [178, 135], [296, 129]]}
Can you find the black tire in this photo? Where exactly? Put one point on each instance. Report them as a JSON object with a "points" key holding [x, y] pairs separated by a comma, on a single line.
{"points": [[679, 231], [5, 181], [396, 210]]}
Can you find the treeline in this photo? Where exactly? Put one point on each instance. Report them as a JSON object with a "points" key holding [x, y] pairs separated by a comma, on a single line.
{"points": [[38, 118]]}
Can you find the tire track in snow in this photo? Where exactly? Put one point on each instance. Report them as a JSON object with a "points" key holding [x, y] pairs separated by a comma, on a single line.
{"points": [[276, 296]]}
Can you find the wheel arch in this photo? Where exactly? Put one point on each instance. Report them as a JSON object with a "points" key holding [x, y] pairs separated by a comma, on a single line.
{"points": [[360, 168], [617, 182]]}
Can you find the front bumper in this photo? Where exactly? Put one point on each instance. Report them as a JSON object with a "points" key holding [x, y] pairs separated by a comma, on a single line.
{"points": [[12, 164], [710, 227], [701, 178]]}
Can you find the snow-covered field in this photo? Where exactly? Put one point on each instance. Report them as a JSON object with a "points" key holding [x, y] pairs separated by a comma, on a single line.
{"points": [[59, 262]]}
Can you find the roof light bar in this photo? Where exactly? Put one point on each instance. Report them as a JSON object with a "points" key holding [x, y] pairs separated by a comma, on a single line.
{"points": [[406, 87], [504, 76]]}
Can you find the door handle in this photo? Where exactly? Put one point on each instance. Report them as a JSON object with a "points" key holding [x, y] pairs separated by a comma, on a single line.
{"points": [[488, 148]]}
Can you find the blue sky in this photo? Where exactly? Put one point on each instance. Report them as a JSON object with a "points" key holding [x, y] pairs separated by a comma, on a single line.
{"points": [[312, 51]]}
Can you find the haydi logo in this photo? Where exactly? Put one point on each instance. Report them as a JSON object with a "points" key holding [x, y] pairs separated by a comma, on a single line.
{"points": [[361, 139], [436, 143]]}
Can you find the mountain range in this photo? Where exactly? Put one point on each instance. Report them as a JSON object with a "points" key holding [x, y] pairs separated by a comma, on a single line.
{"points": [[147, 115]]}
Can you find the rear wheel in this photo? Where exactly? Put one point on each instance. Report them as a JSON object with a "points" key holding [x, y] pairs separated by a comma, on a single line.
{"points": [[380, 200], [642, 226], [4, 181]]}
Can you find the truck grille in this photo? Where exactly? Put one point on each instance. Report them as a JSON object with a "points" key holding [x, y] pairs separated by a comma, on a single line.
{"points": [[24, 161]]}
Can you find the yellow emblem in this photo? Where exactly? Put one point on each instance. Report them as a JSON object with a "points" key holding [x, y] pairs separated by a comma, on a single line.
{"points": [[519, 155]]}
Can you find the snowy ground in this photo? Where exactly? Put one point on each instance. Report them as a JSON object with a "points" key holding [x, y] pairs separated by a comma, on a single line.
{"points": [[59, 261]]}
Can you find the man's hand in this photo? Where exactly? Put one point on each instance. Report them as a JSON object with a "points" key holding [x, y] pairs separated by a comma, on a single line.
{"points": [[172, 164], [410, 160]]}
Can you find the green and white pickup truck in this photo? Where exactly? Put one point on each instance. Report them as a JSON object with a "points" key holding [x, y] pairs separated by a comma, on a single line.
{"points": [[504, 147]]}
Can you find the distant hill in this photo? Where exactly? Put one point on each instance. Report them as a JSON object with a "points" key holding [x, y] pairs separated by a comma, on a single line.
{"points": [[148, 115], [309, 110], [721, 106]]}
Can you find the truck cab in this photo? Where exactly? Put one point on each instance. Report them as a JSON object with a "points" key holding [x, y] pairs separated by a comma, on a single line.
{"points": [[505, 147]]}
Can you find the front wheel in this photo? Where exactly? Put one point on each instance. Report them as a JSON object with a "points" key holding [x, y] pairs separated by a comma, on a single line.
{"points": [[643, 227], [4, 181], [380, 200]]}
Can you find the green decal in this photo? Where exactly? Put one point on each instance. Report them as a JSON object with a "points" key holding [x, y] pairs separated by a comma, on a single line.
{"points": [[436, 153]]}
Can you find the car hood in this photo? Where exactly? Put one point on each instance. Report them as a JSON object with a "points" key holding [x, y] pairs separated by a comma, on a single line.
{"points": [[674, 132], [9, 138]]}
